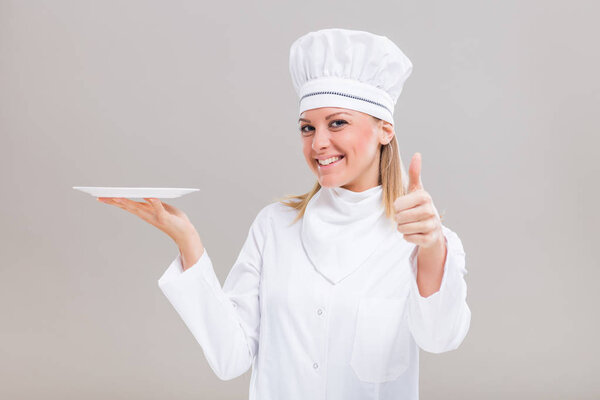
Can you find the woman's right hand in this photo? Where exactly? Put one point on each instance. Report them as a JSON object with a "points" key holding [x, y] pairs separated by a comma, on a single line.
{"points": [[165, 217]]}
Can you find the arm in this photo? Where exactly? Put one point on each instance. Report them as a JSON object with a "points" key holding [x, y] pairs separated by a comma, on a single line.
{"points": [[430, 261], [190, 250], [224, 320], [440, 321]]}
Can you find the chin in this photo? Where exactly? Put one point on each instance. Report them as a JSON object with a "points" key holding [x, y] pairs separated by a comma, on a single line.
{"points": [[329, 182]]}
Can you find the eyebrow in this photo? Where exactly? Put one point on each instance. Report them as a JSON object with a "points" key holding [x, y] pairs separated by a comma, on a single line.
{"points": [[327, 117]]}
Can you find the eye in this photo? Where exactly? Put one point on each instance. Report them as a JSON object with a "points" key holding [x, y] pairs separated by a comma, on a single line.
{"points": [[303, 131], [338, 120]]}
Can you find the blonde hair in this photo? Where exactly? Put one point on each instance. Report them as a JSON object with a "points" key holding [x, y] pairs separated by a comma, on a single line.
{"points": [[392, 177]]}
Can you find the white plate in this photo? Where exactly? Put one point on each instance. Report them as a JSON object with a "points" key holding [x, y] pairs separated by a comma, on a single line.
{"points": [[135, 192]]}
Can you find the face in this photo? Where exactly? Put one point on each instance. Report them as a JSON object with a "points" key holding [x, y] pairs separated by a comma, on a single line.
{"points": [[349, 138]]}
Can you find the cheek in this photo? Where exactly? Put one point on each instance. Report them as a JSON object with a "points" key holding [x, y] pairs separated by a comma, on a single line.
{"points": [[305, 148], [362, 147], [306, 151]]}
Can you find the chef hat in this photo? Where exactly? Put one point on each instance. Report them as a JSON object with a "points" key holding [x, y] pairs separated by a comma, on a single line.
{"points": [[351, 69]]}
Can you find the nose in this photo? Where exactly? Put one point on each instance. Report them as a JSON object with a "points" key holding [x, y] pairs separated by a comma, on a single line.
{"points": [[320, 139]]}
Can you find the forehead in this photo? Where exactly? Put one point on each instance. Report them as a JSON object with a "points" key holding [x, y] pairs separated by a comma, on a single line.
{"points": [[323, 111], [327, 113]]}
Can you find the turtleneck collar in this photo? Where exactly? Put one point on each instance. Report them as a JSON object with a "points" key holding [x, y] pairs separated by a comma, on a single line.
{"points": [[342, 228], [352, 196]]}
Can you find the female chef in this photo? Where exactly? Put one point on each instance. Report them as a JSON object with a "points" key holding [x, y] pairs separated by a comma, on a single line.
{"points": [[334, 291]]}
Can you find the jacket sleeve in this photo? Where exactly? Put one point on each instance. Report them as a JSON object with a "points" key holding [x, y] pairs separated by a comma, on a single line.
{"points": [[224, 320], [440, 321]]}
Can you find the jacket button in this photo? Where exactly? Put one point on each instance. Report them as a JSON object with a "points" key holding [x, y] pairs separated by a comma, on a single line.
{"points": [[319, 311], [315, 365]]}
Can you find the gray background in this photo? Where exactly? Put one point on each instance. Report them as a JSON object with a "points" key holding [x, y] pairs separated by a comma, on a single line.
{"points": [[502, 103]]}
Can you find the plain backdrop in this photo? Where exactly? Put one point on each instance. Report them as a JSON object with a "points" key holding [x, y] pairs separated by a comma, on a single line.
{"points": [[502, 104]]}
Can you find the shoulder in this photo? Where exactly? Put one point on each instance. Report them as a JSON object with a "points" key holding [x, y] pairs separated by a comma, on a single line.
{"points": [[274, 213]]}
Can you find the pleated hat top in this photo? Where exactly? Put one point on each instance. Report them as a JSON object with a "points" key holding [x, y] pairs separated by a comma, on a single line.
{"points": [[351, 69]]}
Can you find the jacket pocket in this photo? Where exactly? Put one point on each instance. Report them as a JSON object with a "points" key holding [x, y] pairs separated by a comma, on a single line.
{"points": [[380, 350]]}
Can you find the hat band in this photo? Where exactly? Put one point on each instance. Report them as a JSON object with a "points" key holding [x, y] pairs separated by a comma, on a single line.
{"points": [[346, 93]]}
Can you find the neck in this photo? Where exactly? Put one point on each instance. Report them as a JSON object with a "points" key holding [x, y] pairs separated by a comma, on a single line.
{"points": [[359, 188]]}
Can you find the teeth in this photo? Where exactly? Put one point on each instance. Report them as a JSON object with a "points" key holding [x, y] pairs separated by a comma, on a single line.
{"points": [[329, 160]]}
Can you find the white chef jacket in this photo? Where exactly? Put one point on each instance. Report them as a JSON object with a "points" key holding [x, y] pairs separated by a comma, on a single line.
{"points": [[310, 326]]}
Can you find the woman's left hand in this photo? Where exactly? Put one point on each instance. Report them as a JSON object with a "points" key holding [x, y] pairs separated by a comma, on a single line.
{"points": [[417, 218]]}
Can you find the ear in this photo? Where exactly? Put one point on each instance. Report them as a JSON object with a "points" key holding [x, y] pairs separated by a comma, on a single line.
{"points": [[386, 132]]}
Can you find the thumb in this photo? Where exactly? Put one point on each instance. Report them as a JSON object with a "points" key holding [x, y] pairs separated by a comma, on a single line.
{"points": [[414, 173]]}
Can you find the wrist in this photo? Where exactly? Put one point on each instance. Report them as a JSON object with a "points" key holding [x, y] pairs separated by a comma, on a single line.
{"points": [[191, 249], [188, 237], [437, 246]]}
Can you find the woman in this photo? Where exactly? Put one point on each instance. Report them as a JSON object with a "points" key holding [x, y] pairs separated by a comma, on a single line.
{"points": [[334, 291]]}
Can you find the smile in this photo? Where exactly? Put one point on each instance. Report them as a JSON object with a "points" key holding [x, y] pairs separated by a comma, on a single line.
{"points": [[331, 164]]}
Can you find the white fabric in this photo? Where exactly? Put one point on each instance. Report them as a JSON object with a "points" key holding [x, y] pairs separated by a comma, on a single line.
{"points": [[350, 69], [334, 219], [306, 337]]}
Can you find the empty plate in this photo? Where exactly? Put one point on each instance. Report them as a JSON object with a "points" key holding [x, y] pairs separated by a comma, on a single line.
{"points": [[135, 192]]}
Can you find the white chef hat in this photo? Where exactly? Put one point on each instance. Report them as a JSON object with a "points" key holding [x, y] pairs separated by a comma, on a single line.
{"points": [[351, 69]]}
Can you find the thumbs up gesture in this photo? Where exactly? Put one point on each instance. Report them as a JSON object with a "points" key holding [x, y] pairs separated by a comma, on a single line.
{"points": [[415, 214]]}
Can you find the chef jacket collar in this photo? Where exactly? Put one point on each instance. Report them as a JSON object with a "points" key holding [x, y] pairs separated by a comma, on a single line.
{"points": [[342, 228]]}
